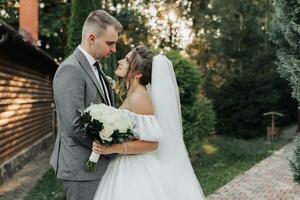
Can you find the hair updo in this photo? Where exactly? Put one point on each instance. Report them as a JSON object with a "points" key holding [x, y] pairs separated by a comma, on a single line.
{"points": [[140, 62]]}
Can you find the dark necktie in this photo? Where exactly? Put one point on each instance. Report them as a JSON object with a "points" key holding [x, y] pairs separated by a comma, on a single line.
{"points": [[105, 90]]}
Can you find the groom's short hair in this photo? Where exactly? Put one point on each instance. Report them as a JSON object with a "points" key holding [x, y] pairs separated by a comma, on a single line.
{"points": [[97, 23]]}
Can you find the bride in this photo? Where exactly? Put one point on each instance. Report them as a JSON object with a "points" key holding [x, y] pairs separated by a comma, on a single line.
{"points": [[156, 166]]}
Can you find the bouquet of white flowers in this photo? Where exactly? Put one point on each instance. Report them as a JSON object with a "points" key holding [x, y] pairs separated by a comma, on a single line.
{"points": [[106, 125]]}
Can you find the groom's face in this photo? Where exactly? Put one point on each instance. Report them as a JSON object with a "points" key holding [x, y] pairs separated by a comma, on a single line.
{"points": [[105, 45]]}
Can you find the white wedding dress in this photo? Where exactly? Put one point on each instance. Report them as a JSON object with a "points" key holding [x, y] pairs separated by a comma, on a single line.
{"points": [[134, 177], [167, 173]]}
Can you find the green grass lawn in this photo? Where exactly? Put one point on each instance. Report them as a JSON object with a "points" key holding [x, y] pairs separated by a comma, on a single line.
{"points": [[218, 161], [47, 188]]}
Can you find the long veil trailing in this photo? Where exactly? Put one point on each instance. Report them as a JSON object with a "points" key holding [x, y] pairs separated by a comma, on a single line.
{"points": [[178, 177]]}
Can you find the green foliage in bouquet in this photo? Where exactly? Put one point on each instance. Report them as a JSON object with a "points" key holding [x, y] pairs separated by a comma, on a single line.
{"points": [[295, 162], [91, 127], [90, 166], [122, 137]]}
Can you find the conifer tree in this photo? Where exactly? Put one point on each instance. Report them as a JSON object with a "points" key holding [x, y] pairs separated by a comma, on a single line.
{"points": [[79, 11], [286, 34]]}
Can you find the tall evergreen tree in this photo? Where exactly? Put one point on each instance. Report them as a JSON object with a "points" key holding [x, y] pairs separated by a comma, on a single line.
{"points": [[79, 11], [54, 18], [53, 23], [285, 33], [9, 12], [236, 57]]}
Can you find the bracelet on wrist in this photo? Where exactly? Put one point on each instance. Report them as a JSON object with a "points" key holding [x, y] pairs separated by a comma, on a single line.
{"points": [[125, 148]]}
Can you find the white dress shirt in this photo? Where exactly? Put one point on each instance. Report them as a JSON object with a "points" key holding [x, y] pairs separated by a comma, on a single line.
{"points": [[91, 60]]}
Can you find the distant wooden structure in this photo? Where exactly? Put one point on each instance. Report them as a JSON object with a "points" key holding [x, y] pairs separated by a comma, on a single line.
{"points": [[273, 130], [26, 100]]}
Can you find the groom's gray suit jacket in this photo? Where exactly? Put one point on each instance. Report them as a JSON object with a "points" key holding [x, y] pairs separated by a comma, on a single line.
{"points": [[75, 87]]}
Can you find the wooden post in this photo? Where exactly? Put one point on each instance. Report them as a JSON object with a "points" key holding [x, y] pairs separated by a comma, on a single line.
{"points": [[271, 131], [272, 127]]}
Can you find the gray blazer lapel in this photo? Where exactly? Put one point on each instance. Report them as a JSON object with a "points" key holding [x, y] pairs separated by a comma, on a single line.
{"points": [[86, 66]]}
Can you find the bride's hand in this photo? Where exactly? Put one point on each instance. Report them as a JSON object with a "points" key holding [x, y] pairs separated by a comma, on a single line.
{"points": [[104, 149]]}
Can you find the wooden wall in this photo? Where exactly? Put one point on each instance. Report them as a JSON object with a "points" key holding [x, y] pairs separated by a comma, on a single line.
{"points": [[25, 108]]}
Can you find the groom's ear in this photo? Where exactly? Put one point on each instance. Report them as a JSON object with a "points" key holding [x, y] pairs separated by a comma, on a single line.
{"points": [[92, 38]]}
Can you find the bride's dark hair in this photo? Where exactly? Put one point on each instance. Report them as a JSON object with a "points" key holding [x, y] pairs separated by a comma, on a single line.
{"points": [[140, 61]]}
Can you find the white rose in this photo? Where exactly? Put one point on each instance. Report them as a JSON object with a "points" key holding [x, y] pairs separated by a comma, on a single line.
{"points": [[122, 127], [106, 133], [111, 118], [96, 114], [99, 111], [91, 107], [123, 122], [103, 109]]}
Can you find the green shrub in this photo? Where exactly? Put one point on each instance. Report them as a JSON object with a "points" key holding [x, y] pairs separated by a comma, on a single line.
{"points": [[199, 121], [241, 101], [188, 78], [197, 111], [295, 162]]}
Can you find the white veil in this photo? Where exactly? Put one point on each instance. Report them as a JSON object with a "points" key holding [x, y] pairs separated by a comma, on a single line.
{"points": [[177, 172]]}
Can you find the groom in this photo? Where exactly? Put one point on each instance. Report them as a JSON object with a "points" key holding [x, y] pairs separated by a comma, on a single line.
{"points": [[78, 82]]}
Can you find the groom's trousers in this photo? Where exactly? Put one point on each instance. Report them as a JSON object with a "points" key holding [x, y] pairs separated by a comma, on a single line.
{"points": [[80, 190]]}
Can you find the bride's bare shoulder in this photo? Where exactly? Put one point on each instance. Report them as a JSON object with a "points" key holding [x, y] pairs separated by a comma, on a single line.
{"points": [[141, 103]]}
